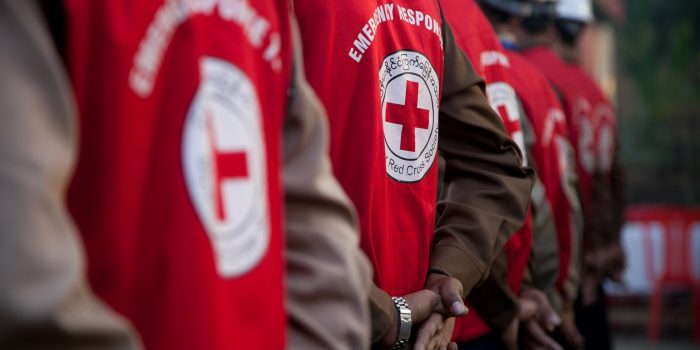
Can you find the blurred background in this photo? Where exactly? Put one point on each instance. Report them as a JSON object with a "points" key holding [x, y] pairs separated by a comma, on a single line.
{"points": [[646, 56]]}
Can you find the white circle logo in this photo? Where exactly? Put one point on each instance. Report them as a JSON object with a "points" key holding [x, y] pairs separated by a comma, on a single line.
{"points": [[504, 101], [224, 164], [410, 90], [596, 136]]}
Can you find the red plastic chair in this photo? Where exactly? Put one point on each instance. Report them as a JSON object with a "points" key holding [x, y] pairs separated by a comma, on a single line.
{"points": [[677, 269]]}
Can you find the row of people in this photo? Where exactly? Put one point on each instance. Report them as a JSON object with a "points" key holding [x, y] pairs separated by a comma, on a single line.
{"points": [[222, 201]]}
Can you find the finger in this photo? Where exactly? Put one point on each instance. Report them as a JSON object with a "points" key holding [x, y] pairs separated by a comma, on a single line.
{"points": [[451, 293], [533, 346], [438, 341], [427, 332], [527, 309], [452, 346], [446, 333], [541, 338], [548, 316], [449, 330], [433, 343]]}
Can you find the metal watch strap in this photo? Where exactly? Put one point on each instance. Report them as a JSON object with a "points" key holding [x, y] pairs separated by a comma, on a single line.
{"points": [[404, 323]]}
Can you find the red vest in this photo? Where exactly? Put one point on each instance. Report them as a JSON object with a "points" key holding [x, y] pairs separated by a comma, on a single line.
{"points": [[177, 190], [477, 39], [549, 150], [590, 118], [377, 66]]}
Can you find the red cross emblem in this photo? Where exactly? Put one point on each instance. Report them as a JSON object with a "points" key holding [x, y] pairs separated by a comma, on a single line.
{"points": [[511, 123], [225, 165], [409, 115]]}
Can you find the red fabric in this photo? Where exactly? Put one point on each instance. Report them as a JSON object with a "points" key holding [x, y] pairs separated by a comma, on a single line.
{"points": [[590, 117], [544, 111], [477, 39], [397, 216], [149, 254]]}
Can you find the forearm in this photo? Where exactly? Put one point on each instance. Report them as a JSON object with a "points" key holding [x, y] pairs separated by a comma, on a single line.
{"points": [[383, 314]]}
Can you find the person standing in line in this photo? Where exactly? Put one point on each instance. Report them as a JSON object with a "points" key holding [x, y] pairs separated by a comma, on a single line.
{"points": [[554, 156], [203, 192], [498, 326], [400, 95], [592, 128]]}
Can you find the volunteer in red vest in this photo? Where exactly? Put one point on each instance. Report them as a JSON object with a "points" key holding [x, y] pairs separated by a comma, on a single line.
{"points": [[475, 37], [203, 191], [398, 92], [498, 321], [592, 129], [553, 154]]}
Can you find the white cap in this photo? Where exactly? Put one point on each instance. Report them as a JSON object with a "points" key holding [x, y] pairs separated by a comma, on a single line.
{"points": [[578, 10]]}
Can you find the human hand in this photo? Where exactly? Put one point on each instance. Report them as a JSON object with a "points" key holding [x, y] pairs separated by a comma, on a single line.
{"points": [[537, 317], [543, 313], [535, 337], [616, 262], [594, 260], [436, 333], [589, 288], [569, 329], [422, 303], [450, 291]]}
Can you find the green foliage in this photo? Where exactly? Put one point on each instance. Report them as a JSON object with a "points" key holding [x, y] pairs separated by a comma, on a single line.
{"points": [[659, 57]]}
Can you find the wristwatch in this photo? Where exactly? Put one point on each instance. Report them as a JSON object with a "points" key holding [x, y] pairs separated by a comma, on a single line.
{"points": [[404, 323]]}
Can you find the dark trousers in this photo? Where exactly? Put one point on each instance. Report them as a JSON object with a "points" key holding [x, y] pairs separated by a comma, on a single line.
{"points": [[490, 341], [592, 322]]}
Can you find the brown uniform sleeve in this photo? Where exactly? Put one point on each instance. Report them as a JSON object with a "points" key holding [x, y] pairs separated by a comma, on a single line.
{"points": [[45, 301], [570, 183], [602, 228], [606, 213], [486, 191], [328, 277], [493, 299], [543, 266]]}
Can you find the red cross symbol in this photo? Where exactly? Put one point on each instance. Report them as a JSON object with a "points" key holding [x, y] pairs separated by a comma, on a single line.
{"points": [[409, 115], [225, 165], [512, 124]]}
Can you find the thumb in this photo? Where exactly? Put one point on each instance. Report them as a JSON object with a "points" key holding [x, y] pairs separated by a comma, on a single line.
{"points": [[451, 294], [550, 319]]}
